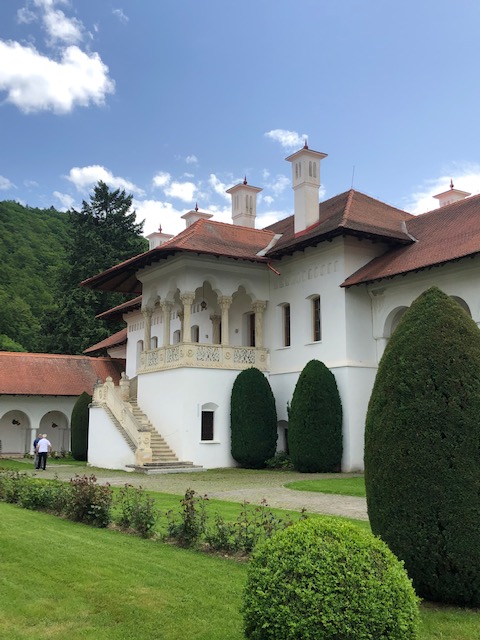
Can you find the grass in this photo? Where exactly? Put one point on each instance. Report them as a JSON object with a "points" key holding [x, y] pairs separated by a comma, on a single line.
{"points": [[62, 580], [353, 486], [25, 464]]}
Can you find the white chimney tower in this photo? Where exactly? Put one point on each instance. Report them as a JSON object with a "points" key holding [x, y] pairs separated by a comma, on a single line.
{"points": [[195, 214], [244, 204], [452, 195], [306, 186]]}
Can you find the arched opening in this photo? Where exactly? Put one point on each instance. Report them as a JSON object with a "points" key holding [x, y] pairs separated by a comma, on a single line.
{"points": [[56, 425], [391, 323], [463, 304], [15, 433], [207, 425]]}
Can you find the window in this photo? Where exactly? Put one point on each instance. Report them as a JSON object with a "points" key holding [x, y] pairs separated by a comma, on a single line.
{"points": [[154, 342], [316, 319], [251, 329], [286, 325], [176, 336], [207, 425], [195, 333]]}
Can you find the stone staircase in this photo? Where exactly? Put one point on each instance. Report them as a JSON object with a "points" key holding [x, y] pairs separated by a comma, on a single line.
{"points": [[164, 459]]}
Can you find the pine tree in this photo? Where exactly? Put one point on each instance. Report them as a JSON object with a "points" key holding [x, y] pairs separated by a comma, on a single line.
{"points": [[253, 419], [315, 421], [422, 452], [104, 233]]}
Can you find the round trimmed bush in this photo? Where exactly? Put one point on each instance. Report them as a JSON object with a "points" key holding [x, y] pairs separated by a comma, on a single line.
{"points": [[315, 421], [79, 425], [325, 580], [422, 453], [253, 419]]}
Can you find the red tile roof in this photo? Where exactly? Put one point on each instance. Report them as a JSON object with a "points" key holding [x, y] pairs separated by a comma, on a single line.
{"points": [[40, 374], [114, 340], [350, 213], [448, 233], [116, 313], [202, 237]]}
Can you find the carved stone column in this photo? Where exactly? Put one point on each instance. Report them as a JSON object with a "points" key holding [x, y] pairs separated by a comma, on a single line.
{"points": [[258, 308], [225, 303], [124, 385], [215, 328], [147, 336], [187, 299], [166, 306]]}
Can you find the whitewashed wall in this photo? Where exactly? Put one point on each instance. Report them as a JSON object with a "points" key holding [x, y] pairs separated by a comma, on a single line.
{"points": [[106, 447]]}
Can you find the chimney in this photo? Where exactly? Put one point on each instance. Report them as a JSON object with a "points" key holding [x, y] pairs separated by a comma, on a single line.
{"points": [[192, 216], [452, 195], [306, 186], [244, 204], [157, 238]]}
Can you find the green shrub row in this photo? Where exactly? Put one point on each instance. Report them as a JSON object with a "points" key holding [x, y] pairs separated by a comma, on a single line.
{"points": [[192, 527], [82, 500]]}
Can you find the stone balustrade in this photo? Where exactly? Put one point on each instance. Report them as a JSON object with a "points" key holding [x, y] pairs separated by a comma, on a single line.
{"points": [[203, 356]]}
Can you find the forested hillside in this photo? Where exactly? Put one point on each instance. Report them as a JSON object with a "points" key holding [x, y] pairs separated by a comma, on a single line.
{"points": [[44, 255], [33, 255]]}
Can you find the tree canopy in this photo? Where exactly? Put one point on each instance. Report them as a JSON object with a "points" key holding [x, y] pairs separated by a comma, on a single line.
{"points": [[422, 455]]}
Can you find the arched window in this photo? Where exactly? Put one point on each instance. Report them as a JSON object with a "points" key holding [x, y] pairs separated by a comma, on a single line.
{"points": [[139, 352], [176, 336], [195, 333], [316, 318], [207, 427], [154, 342], [463, 304], [310, 172]]}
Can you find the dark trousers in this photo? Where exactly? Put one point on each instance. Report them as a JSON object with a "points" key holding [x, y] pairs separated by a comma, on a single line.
{"points": [[42, 460]]}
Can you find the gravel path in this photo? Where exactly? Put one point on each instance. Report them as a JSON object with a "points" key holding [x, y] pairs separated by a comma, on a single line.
{"points": [[235, 485]]}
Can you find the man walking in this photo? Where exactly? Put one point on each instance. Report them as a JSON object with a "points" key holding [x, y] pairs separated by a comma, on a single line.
{"points": [[43, 449], [35, 452]]}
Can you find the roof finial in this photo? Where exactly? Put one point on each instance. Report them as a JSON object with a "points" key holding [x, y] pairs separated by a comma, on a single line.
{"points": [[160, 229], [245, 180], [196, 206], [451, 183], [305, 146]]}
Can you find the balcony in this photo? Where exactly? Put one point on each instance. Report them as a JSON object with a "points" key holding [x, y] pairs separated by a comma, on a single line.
{"points": [[203, 356]]}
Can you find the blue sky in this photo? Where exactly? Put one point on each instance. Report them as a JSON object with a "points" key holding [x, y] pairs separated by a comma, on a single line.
{"points": [[178, 100]]}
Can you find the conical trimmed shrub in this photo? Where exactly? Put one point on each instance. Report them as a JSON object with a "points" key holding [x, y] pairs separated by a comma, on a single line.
{"points": [[79, 426], [422, 449], [253, 419], [315, 421]]}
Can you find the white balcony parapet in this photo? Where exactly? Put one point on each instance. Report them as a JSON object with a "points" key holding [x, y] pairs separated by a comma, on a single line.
{"points": [[115, 400], [206, 356]]}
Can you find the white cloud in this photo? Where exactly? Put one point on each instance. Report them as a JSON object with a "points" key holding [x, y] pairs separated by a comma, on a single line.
{"points": [[265, 219], [66, 200], [191, 159], [34, 82], [162, 179], [182, 190], [62, 29], [218, 186], [465, 177], [288, 139], [5, 184], [279, 185], [268, 199], [30, 183], [155, 213], [85, 177], [120, 15]]}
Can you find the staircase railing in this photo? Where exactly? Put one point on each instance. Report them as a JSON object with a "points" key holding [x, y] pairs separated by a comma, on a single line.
{"points": [[116, 400]]}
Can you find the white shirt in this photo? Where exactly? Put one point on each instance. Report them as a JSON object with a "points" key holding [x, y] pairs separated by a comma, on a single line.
{"points": [[43, 445]]}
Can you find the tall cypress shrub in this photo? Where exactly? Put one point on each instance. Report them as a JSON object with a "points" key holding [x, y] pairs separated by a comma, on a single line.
{"points": [[422, 449], [253, 419], [79, 426], [315, 421]]}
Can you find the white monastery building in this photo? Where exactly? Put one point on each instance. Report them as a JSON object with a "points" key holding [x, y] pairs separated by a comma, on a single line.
{"points": [[330, 283]]}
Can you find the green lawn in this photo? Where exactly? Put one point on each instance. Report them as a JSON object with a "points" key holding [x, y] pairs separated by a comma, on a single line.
{"points": [[354, 486], [63, 580], [26, 464]]}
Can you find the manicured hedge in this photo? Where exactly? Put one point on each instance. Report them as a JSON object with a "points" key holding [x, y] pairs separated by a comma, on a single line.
{"points": [[422, 449], [253, 419], [79, 425], [315, 421], [326, 580]]}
